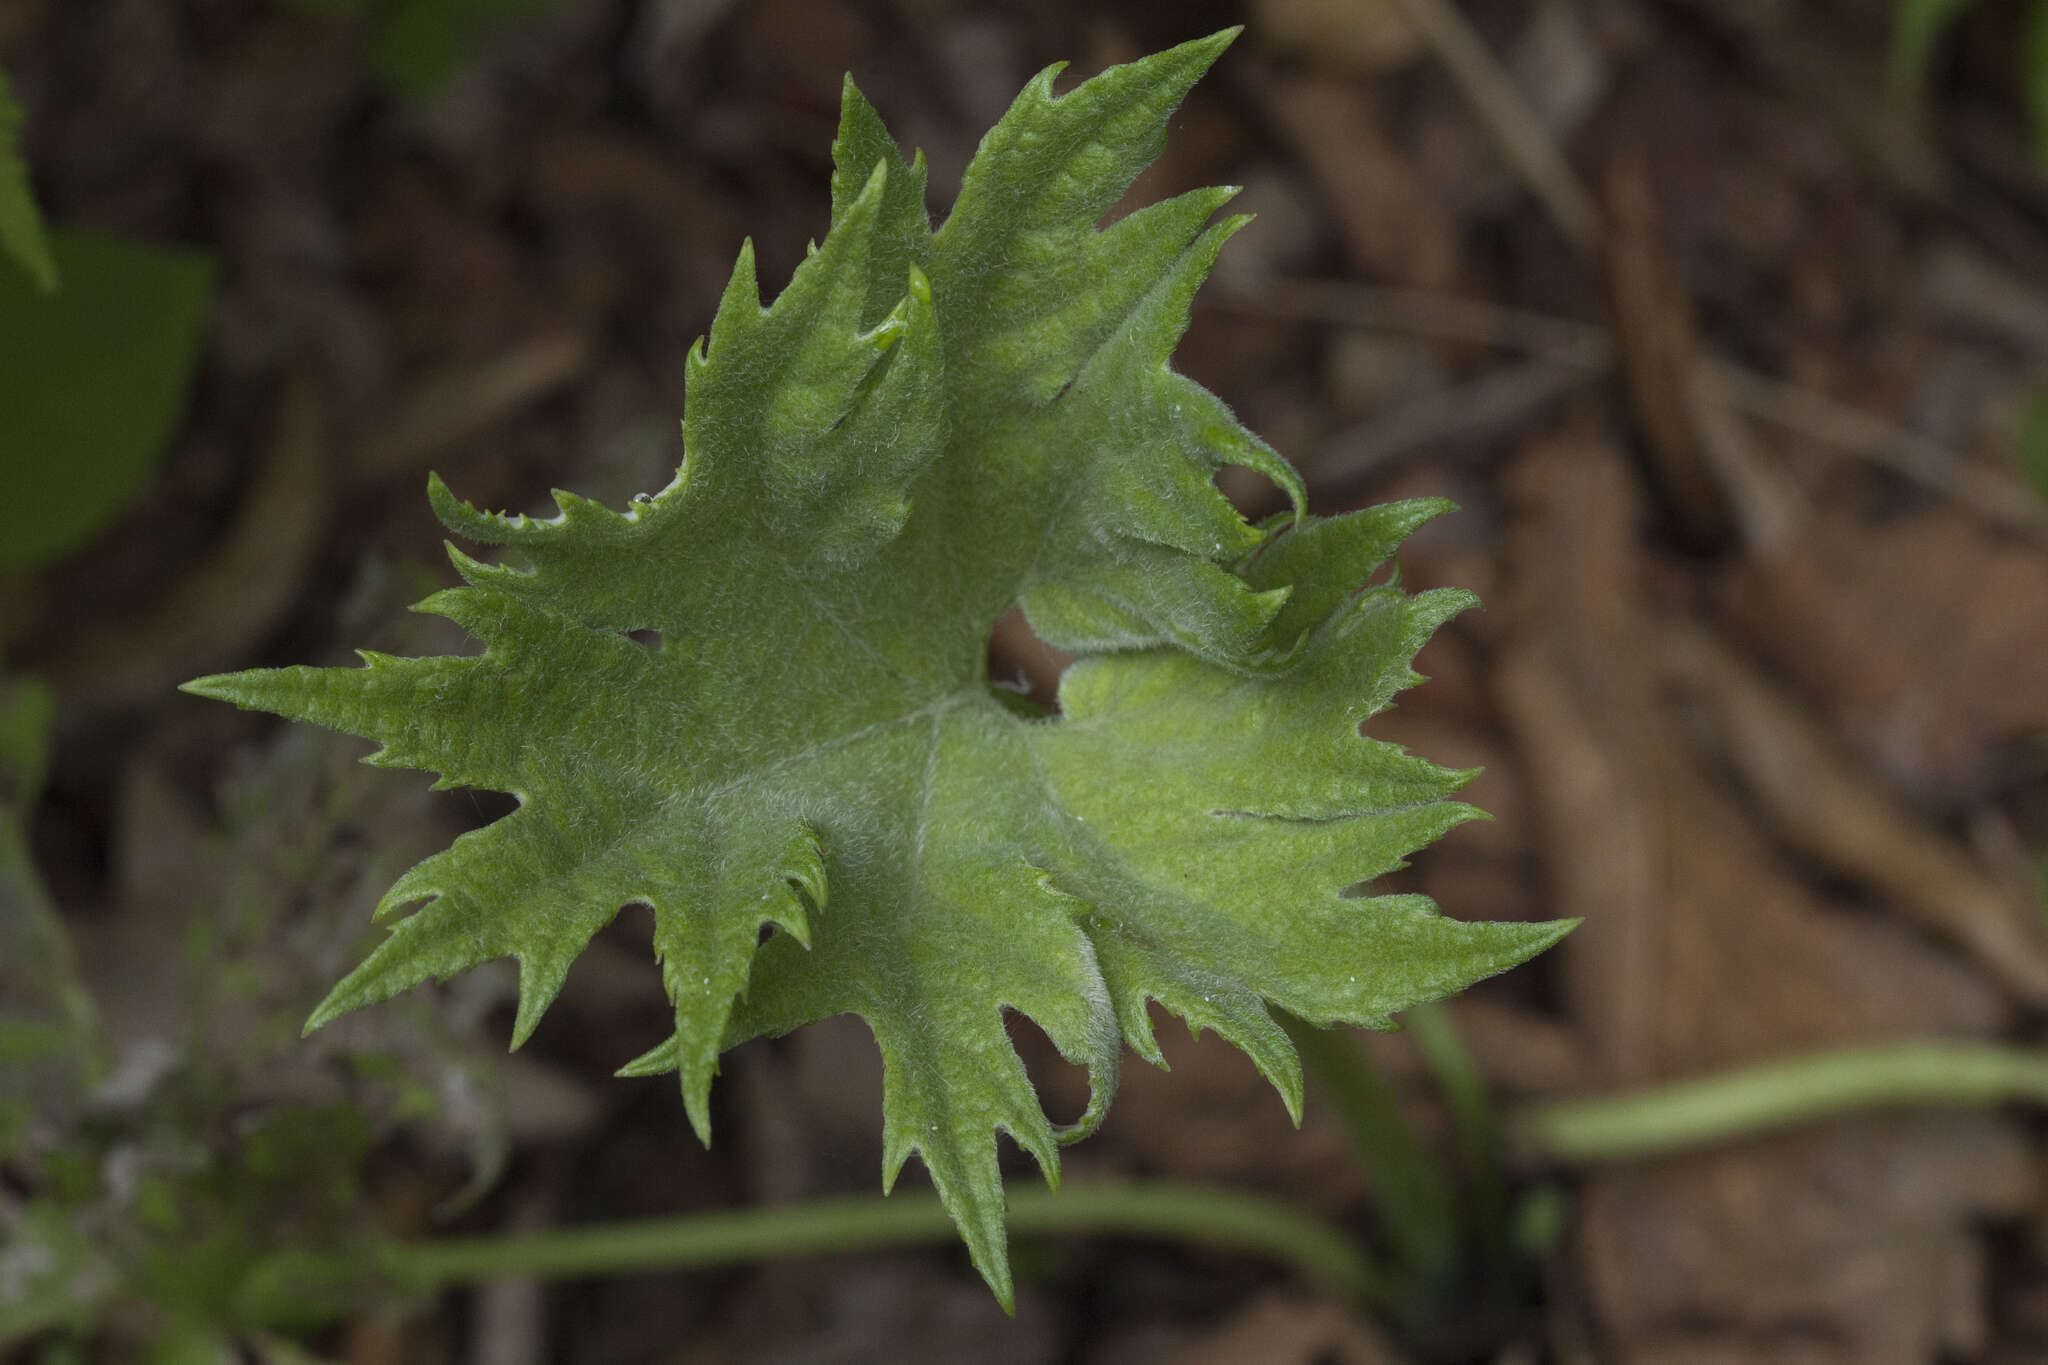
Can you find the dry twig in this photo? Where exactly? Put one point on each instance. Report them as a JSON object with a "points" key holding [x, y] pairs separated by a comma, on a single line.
{"points": [[1509, 118], [1587, 347]]}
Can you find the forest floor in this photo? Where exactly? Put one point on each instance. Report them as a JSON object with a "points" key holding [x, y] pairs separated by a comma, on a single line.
{"points": [[1720, 337]]}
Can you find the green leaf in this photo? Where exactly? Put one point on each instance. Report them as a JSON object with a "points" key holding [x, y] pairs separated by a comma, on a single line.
{"points": [[26, 711], [424, 44], [92, 381], [923, 429], [421, 45], [47, 1034], [21, 224], [332, 9], [2031, 451], [2034, 75], [51, 1274], [1917, 25]]}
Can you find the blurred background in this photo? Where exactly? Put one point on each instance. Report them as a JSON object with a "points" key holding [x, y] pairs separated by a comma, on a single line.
{"points": [[1723, 322]]}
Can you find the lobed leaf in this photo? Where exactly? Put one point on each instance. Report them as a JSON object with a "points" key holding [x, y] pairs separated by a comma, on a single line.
{"points": [[923, 429]]}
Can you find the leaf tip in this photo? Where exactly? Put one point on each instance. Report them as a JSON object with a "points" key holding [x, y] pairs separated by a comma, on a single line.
{"points": [[1230, 226], [988, 1248], [328, 1010], [540, 980], [657, 1060], [877, 182], [252, 689], [1519, 942], [1199, 54], [214, 686], [1287, 1081], [525, 1021], [697, 1104], [896, 1151]]}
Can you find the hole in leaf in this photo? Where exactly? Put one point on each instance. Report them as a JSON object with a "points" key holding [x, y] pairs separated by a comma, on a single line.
{"points": [[1023, 665], [1062, 1087], [1253, 494], [651, 639]]}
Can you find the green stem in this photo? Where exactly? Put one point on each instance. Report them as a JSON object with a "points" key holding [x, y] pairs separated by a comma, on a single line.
{"points": [[1644, 1123], [1779, 1094], [1409, 1192], [1214, 1217], [1435, 1035]]}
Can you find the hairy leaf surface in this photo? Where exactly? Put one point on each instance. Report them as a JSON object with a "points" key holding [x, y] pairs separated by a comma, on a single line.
{"points": [[925, 428]]}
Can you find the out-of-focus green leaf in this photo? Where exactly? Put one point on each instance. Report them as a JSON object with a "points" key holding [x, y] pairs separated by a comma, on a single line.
{"points": [[1916, 27], [184, 1342], [24, 740], [21, 226], [1413, 1199], [2034, 76], [421, 46], [424, 44], [50, 1275], [329, 8], [91, 383], [47, 1036], [2032, 451]]}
